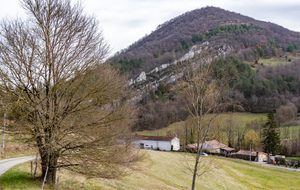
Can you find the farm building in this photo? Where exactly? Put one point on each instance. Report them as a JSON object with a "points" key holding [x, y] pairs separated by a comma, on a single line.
{"points": [[156, 142], [212, 146], [244, 154], [262, 157]]}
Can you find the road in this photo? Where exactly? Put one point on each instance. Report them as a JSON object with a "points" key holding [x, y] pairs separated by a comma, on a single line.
{"points": [[8, 163], [276, 166]]}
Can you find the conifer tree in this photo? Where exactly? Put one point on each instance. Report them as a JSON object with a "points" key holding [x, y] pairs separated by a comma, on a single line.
{"points": [[271, 137]]}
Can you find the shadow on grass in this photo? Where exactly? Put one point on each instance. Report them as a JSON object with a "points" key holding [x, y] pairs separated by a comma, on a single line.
{"points": [[18, 180]]}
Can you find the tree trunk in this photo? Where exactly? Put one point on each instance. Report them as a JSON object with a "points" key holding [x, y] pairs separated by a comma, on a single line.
{"points": [[51, 175], [195, 170], [50, 162]]}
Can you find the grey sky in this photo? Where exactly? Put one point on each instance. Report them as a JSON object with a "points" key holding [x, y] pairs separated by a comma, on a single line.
{"points": [[125, 21]]}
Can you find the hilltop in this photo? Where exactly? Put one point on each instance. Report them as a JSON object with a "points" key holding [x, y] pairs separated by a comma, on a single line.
{"points": [[238, 40], [248, 38]]}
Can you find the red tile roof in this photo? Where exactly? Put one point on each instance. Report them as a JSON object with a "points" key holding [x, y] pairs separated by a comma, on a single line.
{"points": [[213, 144], [246, 152], [152, 138]]}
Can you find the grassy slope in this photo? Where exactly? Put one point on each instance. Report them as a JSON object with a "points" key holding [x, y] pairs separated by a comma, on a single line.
{"points": [[293, 158], [167, 170], [276, 60], [13, 149], [244, 117]]}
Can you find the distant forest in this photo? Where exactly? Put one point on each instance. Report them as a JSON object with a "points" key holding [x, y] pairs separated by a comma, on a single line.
{"points": [[259, 88], [250, 39]]}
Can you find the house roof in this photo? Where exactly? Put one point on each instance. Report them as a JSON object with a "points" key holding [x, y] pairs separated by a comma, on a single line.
{"points": [[216, 144], [205, 146], [246, 152], [152, 138], [213, 144]]}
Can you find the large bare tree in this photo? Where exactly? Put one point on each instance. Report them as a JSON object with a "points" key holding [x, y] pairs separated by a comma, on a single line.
{"points": [[70, 104], [206, 93]]}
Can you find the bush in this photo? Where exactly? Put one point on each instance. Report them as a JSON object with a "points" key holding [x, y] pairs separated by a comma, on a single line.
{"points": [[280, 160]]}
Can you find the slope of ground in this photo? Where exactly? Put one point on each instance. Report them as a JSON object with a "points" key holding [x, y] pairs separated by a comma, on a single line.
{"points": [[243, 117], [279, 60], [167, 170], [13, 148], [173, 38]]}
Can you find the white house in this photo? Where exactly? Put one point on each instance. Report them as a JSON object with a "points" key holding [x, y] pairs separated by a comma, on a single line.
{"points": [[156, 142]]}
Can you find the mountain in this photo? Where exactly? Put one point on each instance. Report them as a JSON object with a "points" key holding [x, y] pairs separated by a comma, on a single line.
{"points": [[175, 37], [241, 41]]}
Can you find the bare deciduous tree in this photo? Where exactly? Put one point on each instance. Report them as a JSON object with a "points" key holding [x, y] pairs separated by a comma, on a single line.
{"points": [[73, 107], [286, 113], [206, 95]]}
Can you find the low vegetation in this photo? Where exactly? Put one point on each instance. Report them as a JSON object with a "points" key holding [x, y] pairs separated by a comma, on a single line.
{"points": [[279, 60], [243, 117], [13, 148], [166, 170]]}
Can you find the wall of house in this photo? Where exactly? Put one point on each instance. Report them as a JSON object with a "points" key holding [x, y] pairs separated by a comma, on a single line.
{"points": [[242, 156], [176, 144], [155, 145]]}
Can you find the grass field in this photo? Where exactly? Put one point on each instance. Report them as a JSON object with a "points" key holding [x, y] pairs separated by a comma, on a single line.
{"points": [[243, 117], [293, 158], [277, 60], [290, 132], [167, 170]]}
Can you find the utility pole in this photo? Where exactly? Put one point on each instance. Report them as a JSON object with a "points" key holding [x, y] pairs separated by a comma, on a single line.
{"points": [[250, 152], [3, 132]]}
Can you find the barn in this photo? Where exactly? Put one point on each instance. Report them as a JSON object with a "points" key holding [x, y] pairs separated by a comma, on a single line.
{"points": [[156, 142]]}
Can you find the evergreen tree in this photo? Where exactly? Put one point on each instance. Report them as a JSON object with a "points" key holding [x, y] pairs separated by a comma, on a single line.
{"points": [[271, 141]]}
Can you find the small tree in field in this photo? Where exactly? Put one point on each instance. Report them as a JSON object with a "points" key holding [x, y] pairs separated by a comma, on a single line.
{"points": [[66, 101], [271, 138], [205, 92]]}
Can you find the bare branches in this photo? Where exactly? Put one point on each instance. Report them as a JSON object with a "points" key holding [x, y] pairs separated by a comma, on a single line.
{"points": [[68, 100], [205, 92]]}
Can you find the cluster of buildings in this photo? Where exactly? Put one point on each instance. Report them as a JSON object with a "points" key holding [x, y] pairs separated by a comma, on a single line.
{"points": [[211, 147]]}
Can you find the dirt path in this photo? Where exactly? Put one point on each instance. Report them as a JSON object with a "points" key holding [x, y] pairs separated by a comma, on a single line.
{"points": [[8, 163]]}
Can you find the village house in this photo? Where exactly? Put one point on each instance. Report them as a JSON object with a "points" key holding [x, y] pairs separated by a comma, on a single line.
{"points": [[261, 157], [244, 154], [276, 158], [212, 147], [156, 142]]}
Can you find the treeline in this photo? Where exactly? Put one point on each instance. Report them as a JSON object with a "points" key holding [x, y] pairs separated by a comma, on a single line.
{"points": [[258, 89], [126, 65], [271, 87], [234, 132], [221, 29], [235, 29], [263, 88], [159, 108]]}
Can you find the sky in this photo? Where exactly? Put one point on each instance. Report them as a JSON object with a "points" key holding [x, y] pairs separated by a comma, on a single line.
{"points": [[124, 22]]}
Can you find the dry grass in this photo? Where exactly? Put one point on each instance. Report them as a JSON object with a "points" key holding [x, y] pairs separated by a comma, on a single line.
{"points": [[168, 170], [277, 60], [13, 148]]}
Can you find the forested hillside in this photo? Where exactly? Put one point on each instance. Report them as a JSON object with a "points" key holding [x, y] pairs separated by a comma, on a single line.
{"points": [[251, 39], [240, 42]]}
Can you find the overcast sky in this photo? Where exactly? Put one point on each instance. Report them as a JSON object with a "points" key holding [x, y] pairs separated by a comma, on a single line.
{"points": [[125, 21]]}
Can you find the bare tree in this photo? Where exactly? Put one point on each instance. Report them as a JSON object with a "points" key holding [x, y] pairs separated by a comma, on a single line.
{"points": [[73, 107], [286, 113], [206, 94]]}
